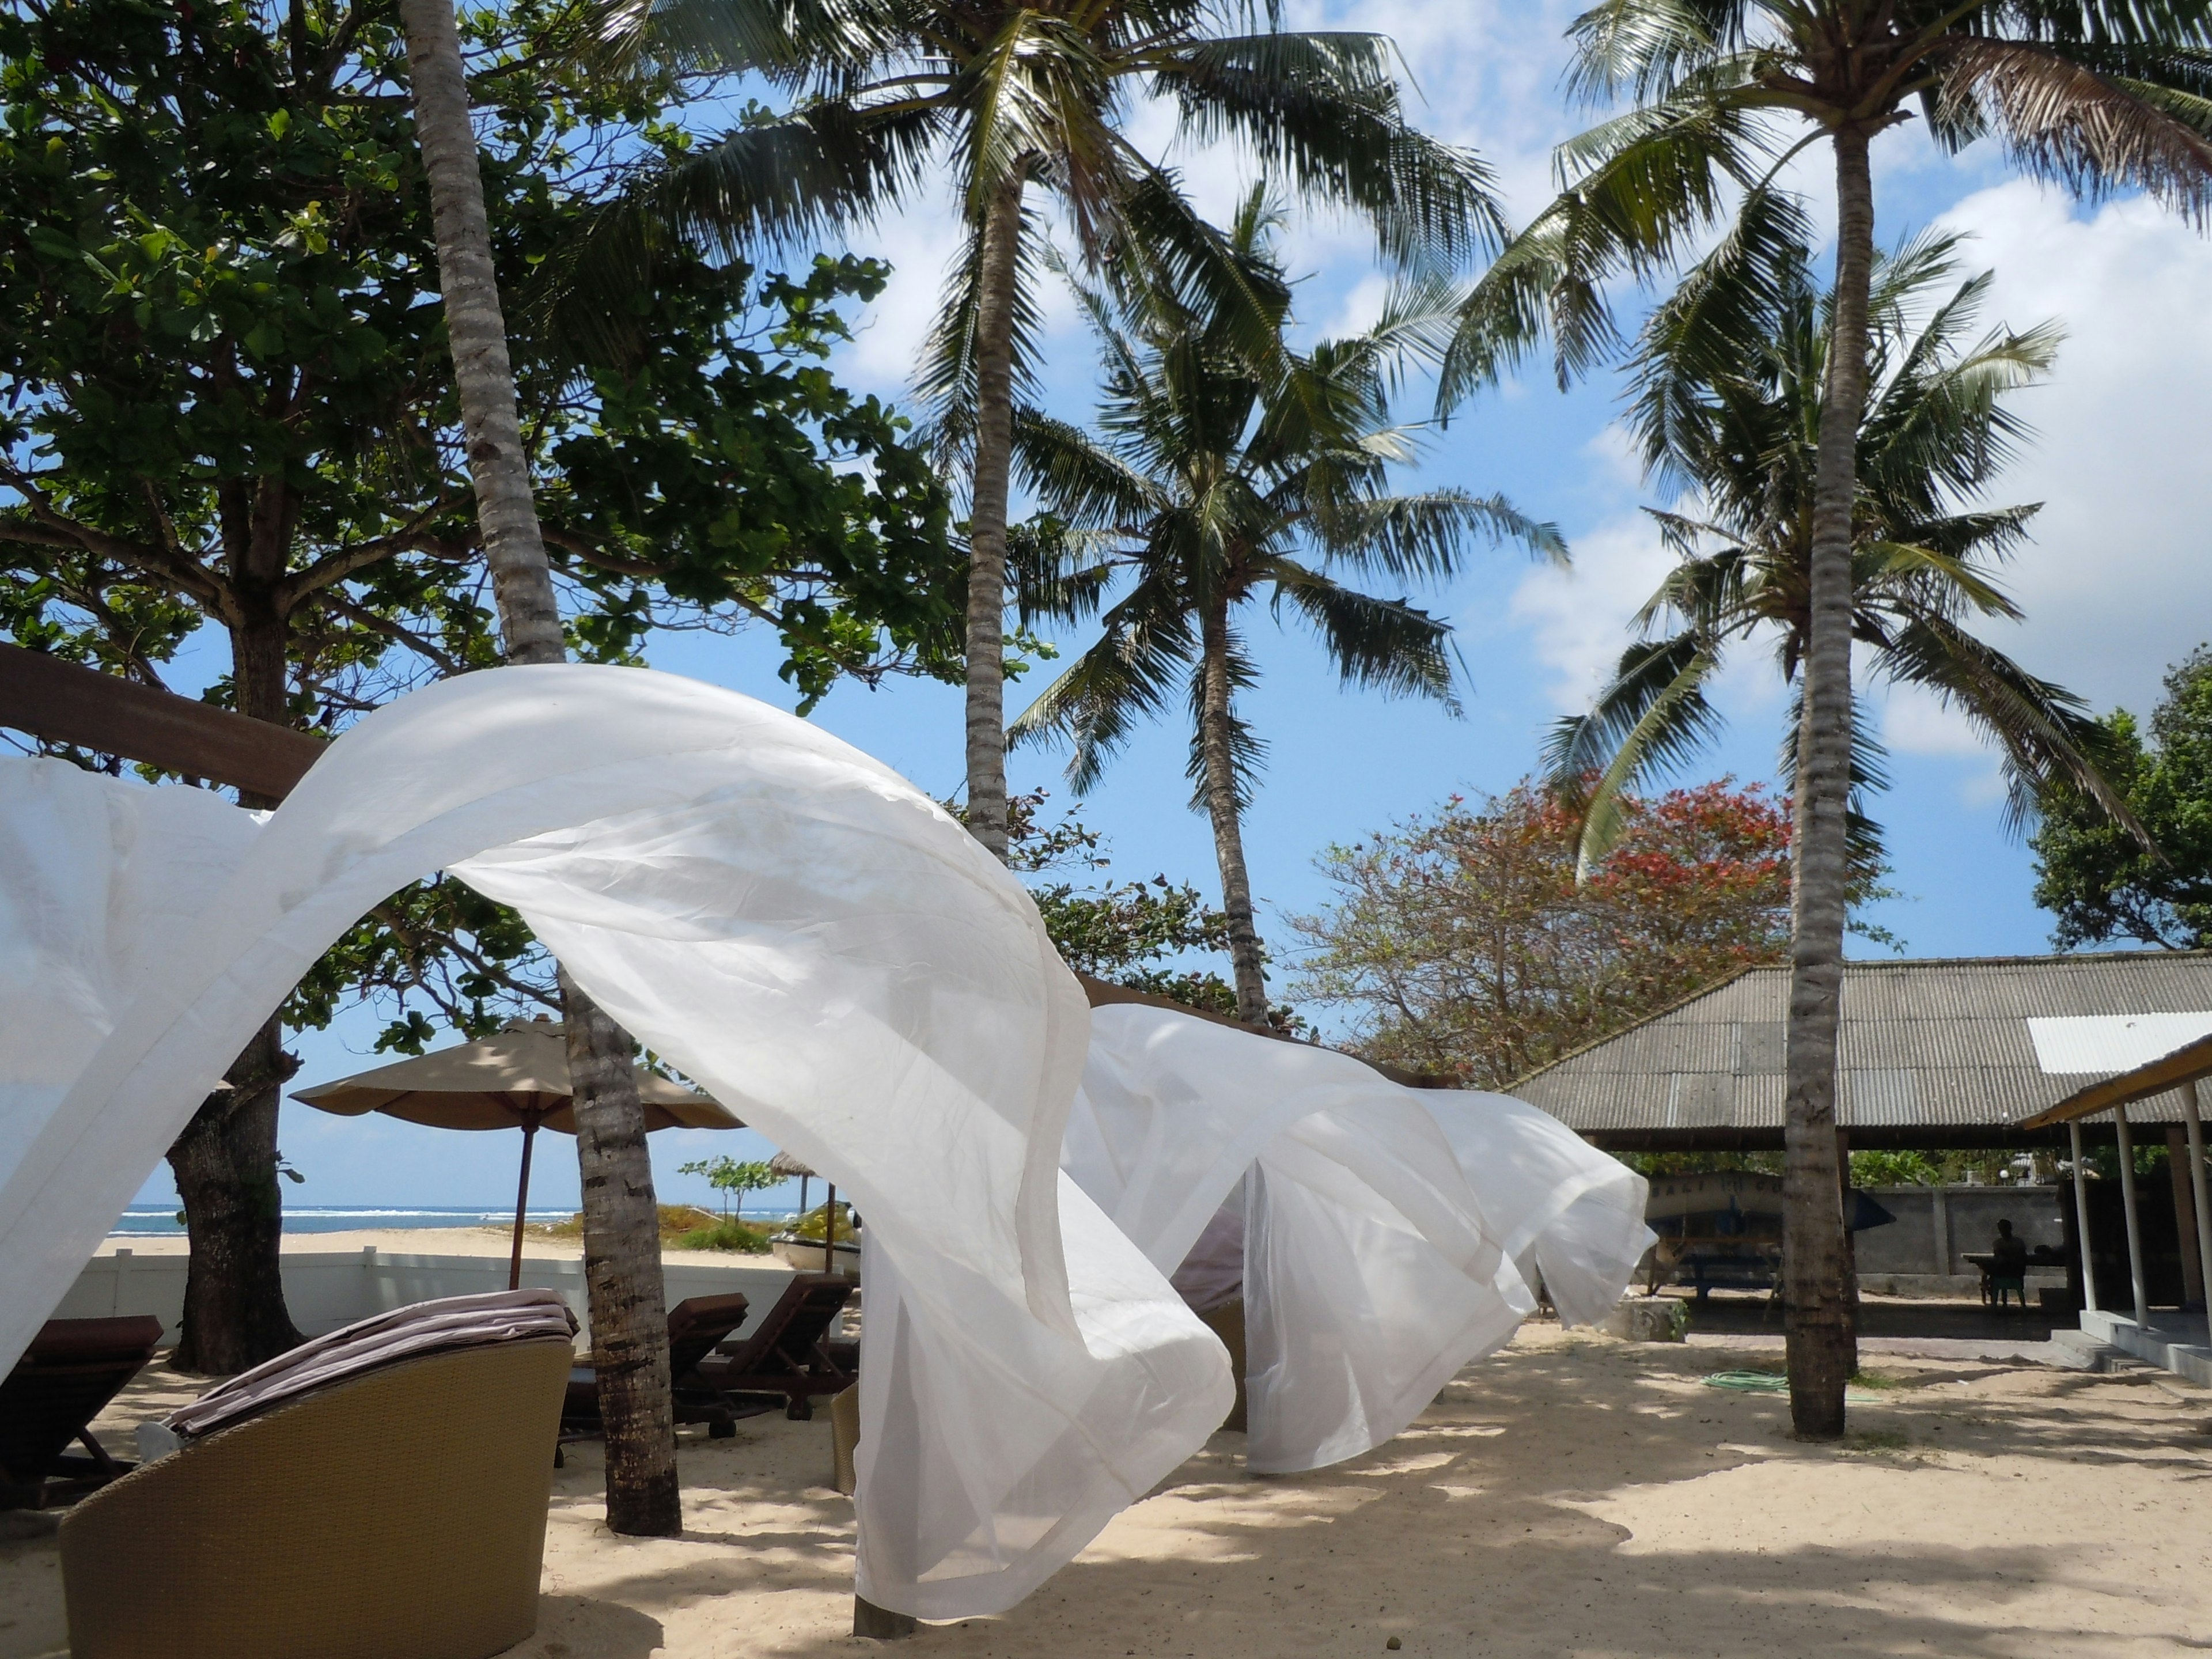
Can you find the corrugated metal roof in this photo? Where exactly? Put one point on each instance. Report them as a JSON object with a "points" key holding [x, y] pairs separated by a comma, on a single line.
{"points": [[1926, 1045]]}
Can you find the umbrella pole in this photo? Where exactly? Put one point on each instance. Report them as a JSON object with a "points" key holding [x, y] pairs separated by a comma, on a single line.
{"points": [[829, 1232], [521, 1202]]}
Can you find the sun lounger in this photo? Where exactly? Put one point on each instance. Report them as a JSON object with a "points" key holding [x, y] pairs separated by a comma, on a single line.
{"points": [[789, 1352], [66, 1378], [399, 1510], [695, 1326]]}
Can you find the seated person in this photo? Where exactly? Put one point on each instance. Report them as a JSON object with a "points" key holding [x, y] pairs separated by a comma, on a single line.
{"points": [[2007, 1253]]}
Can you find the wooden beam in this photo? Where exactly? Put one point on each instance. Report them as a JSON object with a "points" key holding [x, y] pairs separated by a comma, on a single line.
{"points": [[64, 703]]}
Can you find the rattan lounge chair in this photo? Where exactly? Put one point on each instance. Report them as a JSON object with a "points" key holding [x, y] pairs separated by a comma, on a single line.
{"points": [[695, 1326], [789, 1354], [66, 1378], [398, 1513]]}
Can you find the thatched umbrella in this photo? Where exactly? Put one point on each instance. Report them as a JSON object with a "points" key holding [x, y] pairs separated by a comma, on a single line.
{"points": [[515, 1079]]}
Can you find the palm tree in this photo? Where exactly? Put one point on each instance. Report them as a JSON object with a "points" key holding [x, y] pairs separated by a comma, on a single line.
{"points": [[2098, 95], [1223, 476], [892, 98], [622, 1227], [1726, 404]]}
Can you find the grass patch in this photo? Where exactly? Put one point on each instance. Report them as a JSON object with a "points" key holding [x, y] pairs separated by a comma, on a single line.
{"points": [[1877, 1442], [677, 1221], [741, 1237], [1882, 1379]]}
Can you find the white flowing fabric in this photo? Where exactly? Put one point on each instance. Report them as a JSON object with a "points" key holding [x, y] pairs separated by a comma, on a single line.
{"points": [[1390, 1234], [783, 918]]}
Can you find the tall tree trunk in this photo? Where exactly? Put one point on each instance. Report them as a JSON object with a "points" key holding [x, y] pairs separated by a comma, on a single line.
{"points": [[630, 1316], [1216, 754], [987, 517], [225, 1163], [1819, 1345], [621, 1233]]}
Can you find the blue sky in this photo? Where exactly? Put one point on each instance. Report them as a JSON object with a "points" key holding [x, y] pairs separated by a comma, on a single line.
{"points": [[2116, 586]]}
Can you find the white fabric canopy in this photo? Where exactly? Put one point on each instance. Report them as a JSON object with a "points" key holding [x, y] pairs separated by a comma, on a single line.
{"points": [[831, 956], [785, 919], [1390, 1234]]}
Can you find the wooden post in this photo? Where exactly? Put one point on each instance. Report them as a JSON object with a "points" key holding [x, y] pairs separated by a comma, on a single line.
{"points": [[521, 1200], [2185, 1215], [2134, 1225], [881, 1623], [2192, 1120], [2081, 1215], [829, 1231]]}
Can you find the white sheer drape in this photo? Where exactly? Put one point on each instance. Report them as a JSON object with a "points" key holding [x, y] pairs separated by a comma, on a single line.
{"points": [[1390, 1233], [784, 918]]}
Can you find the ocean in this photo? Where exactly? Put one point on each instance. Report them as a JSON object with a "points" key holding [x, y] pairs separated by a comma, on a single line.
{"points": [[159, 1221]]}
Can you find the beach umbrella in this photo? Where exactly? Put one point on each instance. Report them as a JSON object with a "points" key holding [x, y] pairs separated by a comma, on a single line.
{"points": [[784, 1163], [517, 1078]]}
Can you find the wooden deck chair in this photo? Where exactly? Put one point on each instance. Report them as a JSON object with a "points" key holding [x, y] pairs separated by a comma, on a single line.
{"points": [[789, 1354], [66, 1378], [695, 1326]]}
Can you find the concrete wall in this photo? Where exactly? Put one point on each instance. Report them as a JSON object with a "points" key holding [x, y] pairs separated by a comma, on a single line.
{"points": [[327, 1289], [1936, 1226]]}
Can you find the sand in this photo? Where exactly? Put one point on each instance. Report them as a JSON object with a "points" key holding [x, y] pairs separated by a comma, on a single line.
{"points": [[1572, 1496], [488, 1241]]}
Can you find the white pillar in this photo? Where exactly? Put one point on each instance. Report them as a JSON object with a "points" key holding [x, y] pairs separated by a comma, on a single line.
{"points": [[2128, 1206], [2082, 1218], [2190, 1119]]}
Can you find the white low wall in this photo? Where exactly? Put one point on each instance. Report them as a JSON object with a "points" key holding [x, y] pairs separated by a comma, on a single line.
{"points": [[330, 1288]]}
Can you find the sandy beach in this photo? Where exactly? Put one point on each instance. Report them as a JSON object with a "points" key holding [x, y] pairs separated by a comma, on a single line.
{"points": [[438, 1241], [1572, 1495]]}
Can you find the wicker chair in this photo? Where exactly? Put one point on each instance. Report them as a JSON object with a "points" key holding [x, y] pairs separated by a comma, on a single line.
{"points": [[396, 1515]]}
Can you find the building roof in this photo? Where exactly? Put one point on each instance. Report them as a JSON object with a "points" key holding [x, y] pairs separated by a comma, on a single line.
{"points": [[1938, 1052]]}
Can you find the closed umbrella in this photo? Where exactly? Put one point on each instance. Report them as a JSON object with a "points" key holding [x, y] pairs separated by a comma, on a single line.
{"points": [[517, 1078]]}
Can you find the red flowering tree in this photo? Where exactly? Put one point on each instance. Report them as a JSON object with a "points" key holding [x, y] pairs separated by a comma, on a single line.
{"points": [[1464, 946]]}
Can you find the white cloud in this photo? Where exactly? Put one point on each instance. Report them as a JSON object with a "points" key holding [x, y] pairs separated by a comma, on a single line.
{"points": [[2117, 584], [1577, 618]]}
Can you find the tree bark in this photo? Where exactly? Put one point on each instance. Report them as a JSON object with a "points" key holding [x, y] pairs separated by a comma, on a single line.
{"points": [[630, 1314], [1818, 1324], [622, 1252], [225, 1161], [987, 517], [225, 1164], [1217, 756], [475, 330]]}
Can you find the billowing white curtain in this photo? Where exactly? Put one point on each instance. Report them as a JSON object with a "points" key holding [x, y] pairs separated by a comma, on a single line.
{"points": [[1390, 1234], [785, 919]]}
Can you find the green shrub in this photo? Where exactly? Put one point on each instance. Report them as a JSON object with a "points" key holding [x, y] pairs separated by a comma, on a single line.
{"points": [[737, 1235]]}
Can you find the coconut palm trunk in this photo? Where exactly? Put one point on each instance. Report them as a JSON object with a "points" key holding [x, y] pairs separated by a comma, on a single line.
{"points": [[1217, 752], [998, 272], [1819, 1319], [622, 1234]]}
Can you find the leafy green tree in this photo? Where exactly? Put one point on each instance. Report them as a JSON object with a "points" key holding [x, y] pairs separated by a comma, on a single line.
{"points": [[734, 1180], [2093, 875], [1008, 100], [224, 402], [1725, 399], [1222, 478], [1134, 934], [1464, 945], [2096, 96]]}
